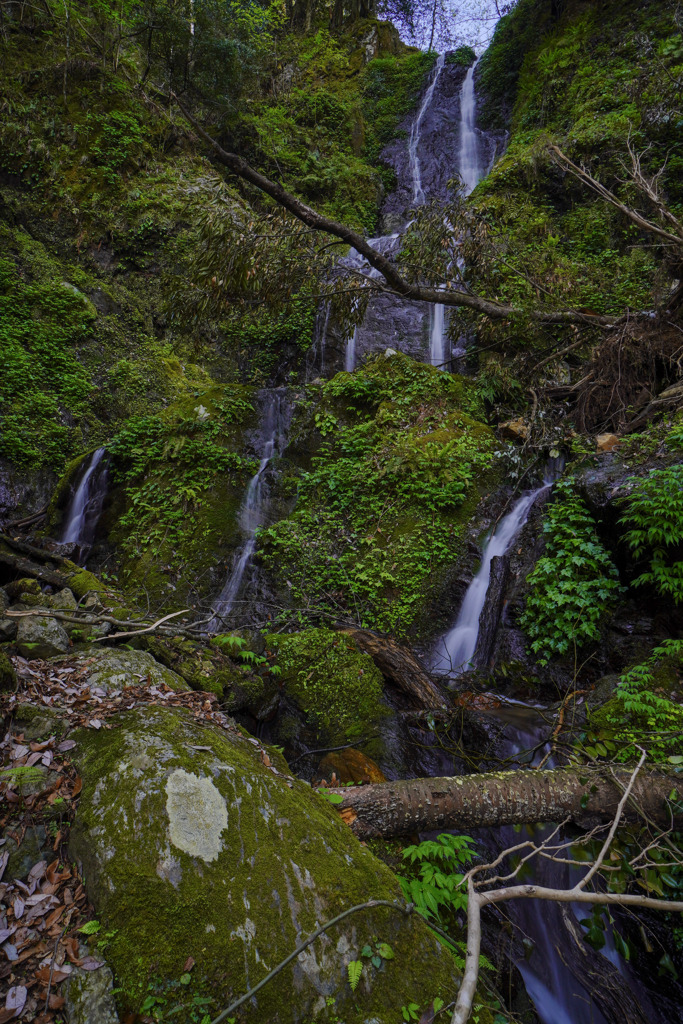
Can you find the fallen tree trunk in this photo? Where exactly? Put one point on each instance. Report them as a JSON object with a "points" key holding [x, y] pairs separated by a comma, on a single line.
{"points": [[24, 567], [583, 795], [399, 665]]}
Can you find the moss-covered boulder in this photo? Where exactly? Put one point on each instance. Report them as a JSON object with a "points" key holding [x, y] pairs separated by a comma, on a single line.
{"points": [[193, 846], [207, 668], [338, 687], [112, 669]]}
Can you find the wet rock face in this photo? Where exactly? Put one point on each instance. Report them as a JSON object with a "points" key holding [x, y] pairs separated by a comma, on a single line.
{"points": [[439, 149], [192, 846], [23, 492]]}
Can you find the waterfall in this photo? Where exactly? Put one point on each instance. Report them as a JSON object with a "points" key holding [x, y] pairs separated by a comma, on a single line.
{"points": [[471, 170], [459, 646], [255, 504], [470, 166], [414, 140], [85, 508], [436, 336], [350, 355]]}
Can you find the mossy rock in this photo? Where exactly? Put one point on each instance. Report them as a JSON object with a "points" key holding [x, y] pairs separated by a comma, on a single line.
{"points": [[191, 846], [336, 685], [114, 668], [202, 666], [36, 722], [82, 582], [8, 677]]}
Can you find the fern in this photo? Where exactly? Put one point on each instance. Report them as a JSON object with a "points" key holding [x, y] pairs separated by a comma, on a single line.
{"points": [[435, 889], [642, 716], [354, 969], [572, 585], [655, 517], [23, 775]]}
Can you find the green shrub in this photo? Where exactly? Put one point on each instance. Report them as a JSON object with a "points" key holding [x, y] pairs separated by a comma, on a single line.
{"points": [[572, 584]]}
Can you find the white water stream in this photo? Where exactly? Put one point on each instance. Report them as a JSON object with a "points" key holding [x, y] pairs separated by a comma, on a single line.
{"points": [[456, 651], [414, 140], [85, 507], [255, 504]]}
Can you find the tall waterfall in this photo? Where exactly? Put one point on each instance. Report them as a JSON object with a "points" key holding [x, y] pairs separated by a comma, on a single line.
{"points": [[471, 170], [85, 508], [470, 166], [254, 507], [414, 140]]}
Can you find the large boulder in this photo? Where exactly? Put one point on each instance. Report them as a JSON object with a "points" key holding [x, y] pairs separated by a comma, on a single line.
{"points": [[200, 854], [114, 668], [41, 637]]}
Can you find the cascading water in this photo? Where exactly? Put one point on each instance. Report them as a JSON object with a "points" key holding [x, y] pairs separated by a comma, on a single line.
{"points": [[350, 354], [458, 648], [470, 170], [414, 140], [85, 508], [553, 974], [470, 166], [436, 336], [254, 507]]}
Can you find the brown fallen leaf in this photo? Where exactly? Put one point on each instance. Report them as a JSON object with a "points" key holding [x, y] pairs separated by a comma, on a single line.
{"points": [[78, 786], [189, 964]]}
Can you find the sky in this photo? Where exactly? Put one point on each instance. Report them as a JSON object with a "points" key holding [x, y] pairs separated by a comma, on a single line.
{"points": [[469, 22]]}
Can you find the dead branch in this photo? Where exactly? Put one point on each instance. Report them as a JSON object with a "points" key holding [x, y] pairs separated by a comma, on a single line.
{"points": [[395, 280]]}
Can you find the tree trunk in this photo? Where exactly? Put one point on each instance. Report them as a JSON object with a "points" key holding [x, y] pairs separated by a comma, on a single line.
{"points": [[583, 795], [400, 666]]}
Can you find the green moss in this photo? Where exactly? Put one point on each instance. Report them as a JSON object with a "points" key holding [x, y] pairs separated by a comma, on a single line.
{"points": [[336, 685], [8, 677], [283, 863], [82, 582], [569, 80], [380, 514], [180, 477]]}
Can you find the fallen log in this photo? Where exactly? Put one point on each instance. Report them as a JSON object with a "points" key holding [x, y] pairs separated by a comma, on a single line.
{"points": [[582, 795], [24, 567], [400, 666]]}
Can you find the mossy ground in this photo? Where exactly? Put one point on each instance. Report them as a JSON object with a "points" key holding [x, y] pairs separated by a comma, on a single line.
{"points": [[588, 80]]}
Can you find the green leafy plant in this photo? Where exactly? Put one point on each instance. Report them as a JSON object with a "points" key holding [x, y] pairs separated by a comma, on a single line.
{"points": [[654, 516], [354, 969], [572, 585], [435, 884]]}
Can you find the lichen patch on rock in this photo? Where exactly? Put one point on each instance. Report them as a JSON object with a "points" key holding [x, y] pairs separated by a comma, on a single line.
{"points": [[197, 815]]}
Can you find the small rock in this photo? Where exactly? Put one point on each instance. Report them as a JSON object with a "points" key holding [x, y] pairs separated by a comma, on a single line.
{"points": [[515, 430], [351, 766], [8, 629], [37, 723], [64, 601], [89, 997], [606, 442], [23, 586], [41, 637], [93, 603], [4, 600], [389, 352], [23, 855]]}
